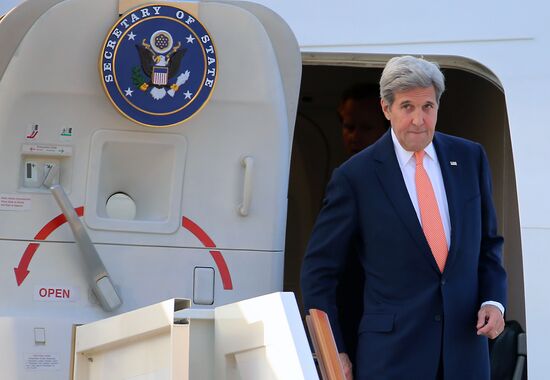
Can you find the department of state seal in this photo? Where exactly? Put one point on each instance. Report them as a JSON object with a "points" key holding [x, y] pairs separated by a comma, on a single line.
{"points": [[158, 65]]}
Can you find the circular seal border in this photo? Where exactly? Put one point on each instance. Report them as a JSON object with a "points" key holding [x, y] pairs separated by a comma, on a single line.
{"points": [[108, 75]]}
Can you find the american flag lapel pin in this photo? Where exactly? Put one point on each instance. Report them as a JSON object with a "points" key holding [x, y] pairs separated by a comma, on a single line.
{"points": [[453, 163]]}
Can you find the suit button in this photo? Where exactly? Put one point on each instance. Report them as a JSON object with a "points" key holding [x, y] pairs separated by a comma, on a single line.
{"points": [[443, 282], [437, 318]]}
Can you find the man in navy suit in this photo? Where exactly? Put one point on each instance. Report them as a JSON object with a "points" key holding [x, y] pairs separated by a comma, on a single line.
{"points": [[417, 206]]}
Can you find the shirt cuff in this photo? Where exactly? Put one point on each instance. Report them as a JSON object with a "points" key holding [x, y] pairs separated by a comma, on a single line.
{"points": [[494, 303]]}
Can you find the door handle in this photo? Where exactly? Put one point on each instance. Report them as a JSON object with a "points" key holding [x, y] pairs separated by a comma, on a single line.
{"points": [[247, 163]]}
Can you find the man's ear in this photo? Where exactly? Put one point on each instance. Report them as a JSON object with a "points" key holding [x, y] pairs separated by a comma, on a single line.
{"points": [[385, 108]]}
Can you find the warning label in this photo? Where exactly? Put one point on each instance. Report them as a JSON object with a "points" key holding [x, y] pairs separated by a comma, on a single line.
{"points": [[47, 150], [42, 362], [14, 202]]}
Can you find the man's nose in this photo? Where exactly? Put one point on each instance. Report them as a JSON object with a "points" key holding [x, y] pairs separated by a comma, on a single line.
{"points": [[418, 118]]}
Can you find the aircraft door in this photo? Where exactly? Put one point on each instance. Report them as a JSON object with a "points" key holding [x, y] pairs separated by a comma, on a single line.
{"points": [[177, 199]]}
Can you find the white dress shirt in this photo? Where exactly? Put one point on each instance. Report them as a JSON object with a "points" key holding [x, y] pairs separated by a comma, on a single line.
{"points": [[407, 164]]}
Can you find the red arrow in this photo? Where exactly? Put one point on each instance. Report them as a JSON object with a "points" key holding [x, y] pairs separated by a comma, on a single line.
{"points": [[21, 271]]}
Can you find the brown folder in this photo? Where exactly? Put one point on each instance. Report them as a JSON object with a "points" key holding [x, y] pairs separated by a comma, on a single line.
{"points": [[324, 345]]}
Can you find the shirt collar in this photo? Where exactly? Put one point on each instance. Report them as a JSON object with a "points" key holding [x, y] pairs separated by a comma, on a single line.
{"points": [[404, 156]]}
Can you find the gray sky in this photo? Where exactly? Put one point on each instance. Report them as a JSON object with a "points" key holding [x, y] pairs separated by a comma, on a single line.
{"points": [[6, 5]]}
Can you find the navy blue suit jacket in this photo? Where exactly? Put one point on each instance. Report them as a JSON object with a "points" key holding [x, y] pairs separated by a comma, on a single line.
{"points": [[413, 314]]}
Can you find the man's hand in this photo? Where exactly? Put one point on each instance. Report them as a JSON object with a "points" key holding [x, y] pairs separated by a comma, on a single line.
{"points": [[346, 364], [490, 321]]}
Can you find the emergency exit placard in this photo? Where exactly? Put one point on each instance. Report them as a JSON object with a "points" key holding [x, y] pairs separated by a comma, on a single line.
{"points": [[15, 202]]}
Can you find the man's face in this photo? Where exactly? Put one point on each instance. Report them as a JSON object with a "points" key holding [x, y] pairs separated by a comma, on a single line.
{"points": [[362, 124], [413, 115]]}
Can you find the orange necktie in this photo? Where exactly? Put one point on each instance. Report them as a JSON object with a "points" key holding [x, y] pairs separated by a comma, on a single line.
{"points": [[429, 213]]}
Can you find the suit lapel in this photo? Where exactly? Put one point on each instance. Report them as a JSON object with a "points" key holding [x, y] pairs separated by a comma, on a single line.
{"points": [[450, 168], [391, 178]]}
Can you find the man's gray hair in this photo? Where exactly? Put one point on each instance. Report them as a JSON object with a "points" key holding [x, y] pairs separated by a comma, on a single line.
{"points": [[408, 72]]}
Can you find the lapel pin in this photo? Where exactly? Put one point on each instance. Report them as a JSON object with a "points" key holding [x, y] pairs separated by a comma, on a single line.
{"points": [[453, 163]]}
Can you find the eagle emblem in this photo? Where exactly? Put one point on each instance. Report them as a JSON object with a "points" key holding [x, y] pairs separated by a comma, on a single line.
{"points": [[158, 65], [160, 61]]}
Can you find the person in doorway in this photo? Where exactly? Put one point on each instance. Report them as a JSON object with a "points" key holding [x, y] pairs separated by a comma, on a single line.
{"points": [[362, 122], [361, 118], [417, 206]]}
